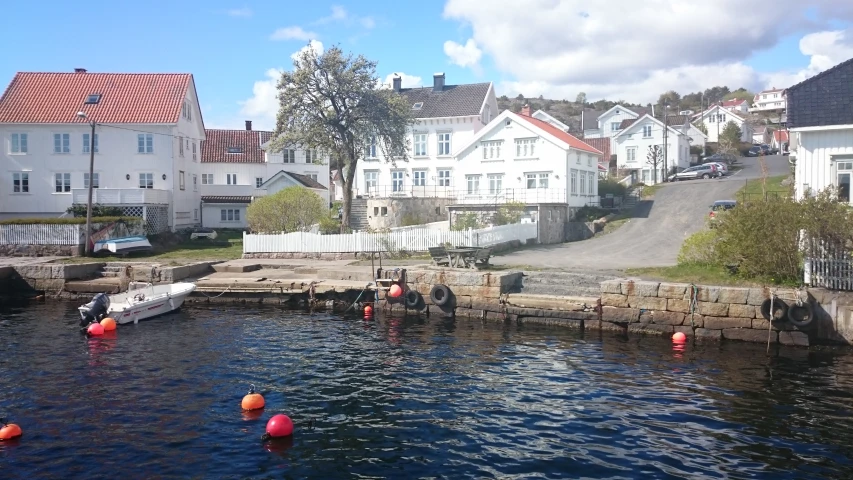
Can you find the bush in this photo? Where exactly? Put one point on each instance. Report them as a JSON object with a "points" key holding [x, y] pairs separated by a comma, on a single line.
{"points": [[330, 225], [465, 221], [97, 211], [699, 249], [410, 219], [68, 221], [590, 214], [509, 213], [289, 210], [612, 187]]}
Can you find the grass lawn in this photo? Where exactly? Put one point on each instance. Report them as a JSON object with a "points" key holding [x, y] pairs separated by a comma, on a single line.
{"points": [[696, 274], [650, 190], [754, 188], [227, 246]]}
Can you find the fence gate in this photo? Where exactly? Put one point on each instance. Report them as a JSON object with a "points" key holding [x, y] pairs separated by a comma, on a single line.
{"points": [[829, 266]]}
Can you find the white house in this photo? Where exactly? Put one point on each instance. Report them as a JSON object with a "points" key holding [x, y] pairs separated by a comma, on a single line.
{"points": [[237, 167], [821, 130], [447, 117], [544, 116], [147, 145], [736, 106], [520, 158], [635, 139], [609, 123], [697, 137], [772, 100], [715, 120]]}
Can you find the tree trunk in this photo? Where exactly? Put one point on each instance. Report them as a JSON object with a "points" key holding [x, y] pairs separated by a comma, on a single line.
{"points": [[347, 180]]}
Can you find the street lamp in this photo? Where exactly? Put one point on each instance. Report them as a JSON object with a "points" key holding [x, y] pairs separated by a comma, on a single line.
{"points": [[91, 180]]}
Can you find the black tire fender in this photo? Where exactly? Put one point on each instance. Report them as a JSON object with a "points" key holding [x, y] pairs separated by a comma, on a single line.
{"points": [[439, 295], [780, 310], [412, 299], [801, 316]]}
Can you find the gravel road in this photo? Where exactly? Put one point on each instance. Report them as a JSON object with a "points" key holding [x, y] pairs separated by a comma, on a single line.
{"points": [[655, 235]]}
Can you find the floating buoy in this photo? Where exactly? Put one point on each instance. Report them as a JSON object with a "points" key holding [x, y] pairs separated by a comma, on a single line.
{"points": [[95, 329], [395, 291], [279, 426], [252, 400], [679, 337], [9, 431], [109, 324], [368, 310]]}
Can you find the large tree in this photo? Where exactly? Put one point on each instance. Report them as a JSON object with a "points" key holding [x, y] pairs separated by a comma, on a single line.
{"points": [[335, 102], [740, 94], [730, 137], [581, 98], [293, 209], [671, 98]]}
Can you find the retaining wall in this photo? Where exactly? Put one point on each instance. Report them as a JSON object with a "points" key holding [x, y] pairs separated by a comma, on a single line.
{"points": [[40, 250]]}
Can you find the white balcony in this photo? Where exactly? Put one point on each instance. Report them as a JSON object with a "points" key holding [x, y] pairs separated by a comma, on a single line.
{"points": [[121, 196], [231, 191]]}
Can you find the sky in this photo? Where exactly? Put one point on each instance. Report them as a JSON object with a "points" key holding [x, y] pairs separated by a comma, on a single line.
{"points": [[618, 50]]}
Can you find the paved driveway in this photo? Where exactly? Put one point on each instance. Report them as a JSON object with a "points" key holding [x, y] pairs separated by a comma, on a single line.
{"points": [[654, 237]]}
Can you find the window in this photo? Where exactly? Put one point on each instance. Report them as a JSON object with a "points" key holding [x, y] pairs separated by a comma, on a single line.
{"points": [[531, 180], [444, 144], [181, 180], [61, 143], [259, 181], [181, 146], [419, 178], [582, 183], [231, 179], [370, 179], [764, 97], [844, 172], [614, 126], [195, 214], [574, 182], [444, 178], [232, 150], [397, 180], [491, 150], [195, 182], [418, 106], [62, 182], [473, 183], [721, 118], [19, 143], [589, 160], [310, 156], [543, 180], [370, 151], [187, 111], [525, 147], [647, 131], [229, 215], [312, 176], [592, 183], [93, 99], [289, 155], [488, 114], [87, 142], [145, 143], [537, 180], [194, 157], [146, 180], [21, 182], [496, 184], [420, 144], [96, 180], [207, 179], [631, 154]]}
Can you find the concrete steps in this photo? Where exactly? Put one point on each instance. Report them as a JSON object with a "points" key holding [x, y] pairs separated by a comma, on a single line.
{"points": [[358, 214], [110, 271]]}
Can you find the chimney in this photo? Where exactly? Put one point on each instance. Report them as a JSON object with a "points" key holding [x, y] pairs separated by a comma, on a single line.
{"points": [[525, 110], [398, 83], [438, 82], [248, 125], [79, 70]]}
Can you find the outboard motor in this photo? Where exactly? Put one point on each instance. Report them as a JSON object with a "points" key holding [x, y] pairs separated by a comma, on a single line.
{"points": [[95, 310]]}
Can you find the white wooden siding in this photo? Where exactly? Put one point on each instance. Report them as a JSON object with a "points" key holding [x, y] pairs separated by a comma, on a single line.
{"points": [[814, 158]]}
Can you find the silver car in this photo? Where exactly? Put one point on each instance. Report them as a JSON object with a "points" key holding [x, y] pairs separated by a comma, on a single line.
{"points": [[708, 170]]}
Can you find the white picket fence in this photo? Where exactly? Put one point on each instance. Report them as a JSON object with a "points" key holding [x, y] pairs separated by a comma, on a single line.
{"points": [[409, 240], [40, 234]]}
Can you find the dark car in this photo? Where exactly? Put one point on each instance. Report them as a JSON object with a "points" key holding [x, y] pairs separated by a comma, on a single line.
{"points": [[709, 170], [754, 151], [717, 207], [726, 158]]}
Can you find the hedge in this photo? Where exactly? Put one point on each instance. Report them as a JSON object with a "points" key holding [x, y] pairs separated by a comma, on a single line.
{"points": [[67, 221]]}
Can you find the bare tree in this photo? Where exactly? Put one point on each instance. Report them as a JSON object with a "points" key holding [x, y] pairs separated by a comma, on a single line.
{"points": [[654, 157]]}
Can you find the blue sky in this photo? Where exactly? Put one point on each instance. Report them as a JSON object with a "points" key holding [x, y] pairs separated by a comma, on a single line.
{"points": [[229, 48]]}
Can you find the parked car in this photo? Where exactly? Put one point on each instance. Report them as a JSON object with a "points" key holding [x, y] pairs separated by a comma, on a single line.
{"points": [[722, 168], [726, 158], [708, 170], [754, 151], [718, 207]]}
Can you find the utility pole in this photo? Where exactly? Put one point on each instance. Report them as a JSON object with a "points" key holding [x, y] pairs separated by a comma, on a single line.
{"points": [[91, 181], [665, 144]]}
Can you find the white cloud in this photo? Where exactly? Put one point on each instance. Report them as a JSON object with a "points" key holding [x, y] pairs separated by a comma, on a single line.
{"points": [[240, 12], [826, 50], [466, 55], [409, 81], [341, 15], [550, 46], [262, 107], [315, 45], [292, 33]]}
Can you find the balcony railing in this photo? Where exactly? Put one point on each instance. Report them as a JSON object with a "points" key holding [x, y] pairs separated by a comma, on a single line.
{"points": [[121, 196], [466, 196], [231, 190]]}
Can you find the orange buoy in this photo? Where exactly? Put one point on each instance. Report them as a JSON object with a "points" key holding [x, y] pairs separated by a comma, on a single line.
{"points": [[9, 431], [395, 291], [109, 324], [252, 400], [368, 311], [679, 337]]}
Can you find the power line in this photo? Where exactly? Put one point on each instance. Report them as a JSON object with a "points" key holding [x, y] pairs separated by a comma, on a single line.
{"points": [[149, 132]]}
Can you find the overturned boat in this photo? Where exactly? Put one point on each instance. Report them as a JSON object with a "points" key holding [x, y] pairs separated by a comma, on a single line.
{"points": [[141, 302], [122, 246]]}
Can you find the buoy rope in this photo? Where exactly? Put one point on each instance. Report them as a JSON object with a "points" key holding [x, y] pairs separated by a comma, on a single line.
{"points": [[770, 322], [217, 296], [359, 297], [694, 300]]}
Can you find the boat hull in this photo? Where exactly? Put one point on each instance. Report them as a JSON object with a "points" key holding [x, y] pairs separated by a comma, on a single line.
{"points": [[147, 302]]}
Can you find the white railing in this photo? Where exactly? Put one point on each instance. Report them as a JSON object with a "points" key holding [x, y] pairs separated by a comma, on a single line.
{"points": [[40, 234], [419, 240], [121, 196]]}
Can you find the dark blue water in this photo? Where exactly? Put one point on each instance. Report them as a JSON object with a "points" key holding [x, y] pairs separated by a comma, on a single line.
{"points": [[409, 398]]}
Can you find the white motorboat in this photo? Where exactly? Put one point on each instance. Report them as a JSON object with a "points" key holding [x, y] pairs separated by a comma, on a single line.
{"points": [[141, 301]]}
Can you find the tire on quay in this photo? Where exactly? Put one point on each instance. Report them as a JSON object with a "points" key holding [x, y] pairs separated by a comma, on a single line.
{"points": [[801, 316], [439, 295], [780, 310], [412, 299]]}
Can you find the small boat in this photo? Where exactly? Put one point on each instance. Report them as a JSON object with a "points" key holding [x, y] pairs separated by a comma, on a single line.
{"points": [[122, 246], [141, 302]]}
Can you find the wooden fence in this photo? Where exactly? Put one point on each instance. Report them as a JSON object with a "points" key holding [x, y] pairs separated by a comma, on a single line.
{"points": [[832, 273], [41, 234], [416, 240]]}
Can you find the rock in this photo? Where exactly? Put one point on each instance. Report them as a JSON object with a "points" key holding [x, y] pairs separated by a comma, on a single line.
{"points": [[742, 311], [640, 289], [647, 303], [749, 335], [620, 315], [707, 294], [673, 290], [713, 309], [611, 286], [762, 324], [674, 305], [757, 296], [614, 300], [798, 339], [667, 318], [733, 295], [719, 323], [649, 329], [706, 334]]}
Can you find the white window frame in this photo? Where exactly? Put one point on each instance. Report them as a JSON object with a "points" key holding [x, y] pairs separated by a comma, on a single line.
{"points": [[23, 182], [230, 179], [630, 154], [419, 178], [593, 183], [398, 180], [589, 160], [97, 180], [19, 144], [370, 148], [61, 143], [87, 142], [647, 131], [444, 144], [145, 143], [420, 141], [614, 126], [182, 183], [495, 183], [310, 155], [207, 179], [371, 179], [181, 145], [195, 158], [472, 184], [525, 147], [195, 183], [582, 183], [229, 215], [195, 214], [288, 155], [259, 181], [843, 165], [146, 180], [62, 182], [573, 184], [491, 149], [444, 177]]}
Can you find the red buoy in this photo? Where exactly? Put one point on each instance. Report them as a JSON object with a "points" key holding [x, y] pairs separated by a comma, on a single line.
{"points": [[95, 329], [9, 431], [368, 310], [280, 426], [679, 337], [395, 291]]}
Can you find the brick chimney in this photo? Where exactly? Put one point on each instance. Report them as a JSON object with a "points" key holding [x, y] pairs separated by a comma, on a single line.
{"points": [[248, 125], [438, 82], [79, 70], [525, 110], [398, 83]]}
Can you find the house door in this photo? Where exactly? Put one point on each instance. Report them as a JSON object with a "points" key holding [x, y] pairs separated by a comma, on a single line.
{"points": [[647, 176], [843, 175]]}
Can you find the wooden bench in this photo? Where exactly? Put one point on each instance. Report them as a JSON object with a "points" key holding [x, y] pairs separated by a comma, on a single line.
{"points": [[439, 256], [479, 257]]}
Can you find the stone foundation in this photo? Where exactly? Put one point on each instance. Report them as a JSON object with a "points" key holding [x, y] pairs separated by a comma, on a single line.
{"points": [[40, 250], [501, 247]]}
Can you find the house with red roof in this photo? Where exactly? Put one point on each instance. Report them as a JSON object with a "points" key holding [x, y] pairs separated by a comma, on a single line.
{"points": [[771, 100], [518, 157], [736, 105], [148, 131]]}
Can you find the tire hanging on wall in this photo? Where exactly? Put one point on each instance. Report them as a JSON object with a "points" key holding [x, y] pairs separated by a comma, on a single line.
{"points": [[779, 307], [412, 299], [439, 295], [801, 316]]}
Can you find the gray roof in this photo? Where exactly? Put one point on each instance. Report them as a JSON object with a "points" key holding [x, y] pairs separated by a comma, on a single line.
{"points": [[823, 100], [677, 120], [451, 101], [590, 119]]}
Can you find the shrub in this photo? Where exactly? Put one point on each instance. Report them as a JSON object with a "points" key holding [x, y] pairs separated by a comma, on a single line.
{"points": [[699, 249], [590, 214], [288, 210], [509, 213], [330, 225], [410, 219], [612, 187], [465, 221], [68, 221], [97, 211]]}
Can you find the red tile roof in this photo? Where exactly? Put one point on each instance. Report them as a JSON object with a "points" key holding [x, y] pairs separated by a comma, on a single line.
{"points": [[733, 102], [125, 97], [217, 142], [565, 137], [781, 136], [602, 145]]}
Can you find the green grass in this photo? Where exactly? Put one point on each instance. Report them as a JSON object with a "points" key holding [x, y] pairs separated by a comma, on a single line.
{"points": [[227, 246], [650, 190], [754, 188], [697, 274]]}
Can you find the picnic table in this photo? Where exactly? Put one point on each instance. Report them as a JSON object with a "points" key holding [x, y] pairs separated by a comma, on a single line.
{"points": [[460, 257]]}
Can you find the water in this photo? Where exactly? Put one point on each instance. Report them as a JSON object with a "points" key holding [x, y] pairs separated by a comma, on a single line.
{"points": [[409, 399]]}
